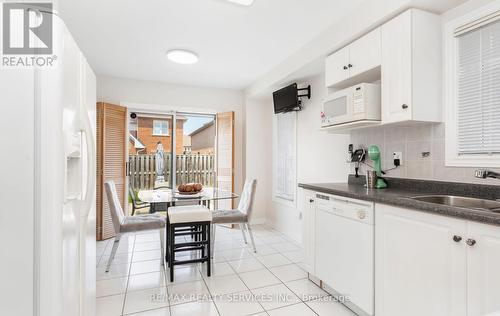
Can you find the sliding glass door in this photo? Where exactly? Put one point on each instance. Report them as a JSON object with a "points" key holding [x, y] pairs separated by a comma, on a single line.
{"points": [[151, 150], [195, 155], [166, 150]]}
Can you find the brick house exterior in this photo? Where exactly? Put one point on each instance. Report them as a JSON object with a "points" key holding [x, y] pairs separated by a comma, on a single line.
{"points": [[203, 139], [144, 133]]}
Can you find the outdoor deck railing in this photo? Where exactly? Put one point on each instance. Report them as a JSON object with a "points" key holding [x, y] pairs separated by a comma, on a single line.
{"points": [[189, 168]]}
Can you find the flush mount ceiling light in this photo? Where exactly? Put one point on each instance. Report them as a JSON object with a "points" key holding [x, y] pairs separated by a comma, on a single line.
{"points": [[182, 56], [242, 2]]}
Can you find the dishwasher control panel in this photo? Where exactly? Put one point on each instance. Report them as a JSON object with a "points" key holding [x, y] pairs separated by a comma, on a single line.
{"points": [[357, 210]]}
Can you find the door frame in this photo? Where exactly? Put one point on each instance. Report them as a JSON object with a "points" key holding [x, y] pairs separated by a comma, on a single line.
{"points": [[157, 110], [173, 139]]}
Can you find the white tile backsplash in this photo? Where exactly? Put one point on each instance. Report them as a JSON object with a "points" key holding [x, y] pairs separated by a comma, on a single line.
{"points": [[412, 141]]}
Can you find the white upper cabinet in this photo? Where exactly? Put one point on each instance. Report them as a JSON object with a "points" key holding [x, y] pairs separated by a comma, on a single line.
{"points": [[411, 68], [419, 267], [405, 55], [483, 261], [337, 67], [365, 54], [357, 62]]}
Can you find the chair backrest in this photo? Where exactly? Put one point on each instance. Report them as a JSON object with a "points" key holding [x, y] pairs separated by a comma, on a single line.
{"points": [[131, 192], [247, 196], [115, 207]]}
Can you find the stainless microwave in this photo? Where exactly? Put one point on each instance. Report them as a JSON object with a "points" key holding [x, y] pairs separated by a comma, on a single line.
{"points": [[357, 103]]}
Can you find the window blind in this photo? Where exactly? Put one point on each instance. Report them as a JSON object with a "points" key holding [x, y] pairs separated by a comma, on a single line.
{"points": [[479, 90], [285, 176]]}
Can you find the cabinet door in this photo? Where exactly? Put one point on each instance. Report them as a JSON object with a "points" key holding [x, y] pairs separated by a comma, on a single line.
{"points": [[483, 269], [419, 268], [336, 69], [364, 54], [397, 69], [308, 231]]}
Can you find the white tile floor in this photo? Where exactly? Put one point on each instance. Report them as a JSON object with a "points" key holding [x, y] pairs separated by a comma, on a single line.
{"points": [[269, 282]]}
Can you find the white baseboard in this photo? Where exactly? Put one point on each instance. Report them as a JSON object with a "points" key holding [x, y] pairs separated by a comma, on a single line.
{"points": [[275, 227]]}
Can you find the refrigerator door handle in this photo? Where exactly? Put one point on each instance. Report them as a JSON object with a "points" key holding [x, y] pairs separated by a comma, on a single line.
{"points": [[88, 199]]}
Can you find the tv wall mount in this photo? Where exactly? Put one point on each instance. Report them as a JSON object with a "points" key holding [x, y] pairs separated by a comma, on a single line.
{"points": [[307, 94]]}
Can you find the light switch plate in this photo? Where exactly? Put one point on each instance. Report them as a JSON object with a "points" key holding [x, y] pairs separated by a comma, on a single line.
{"points": [[398, 155]]}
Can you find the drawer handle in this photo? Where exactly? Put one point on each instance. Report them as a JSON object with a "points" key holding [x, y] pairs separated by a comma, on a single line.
{"points": [[457, 238], [361, 214], [345, 68], [404, 106], [471, 242], [350, 65]]}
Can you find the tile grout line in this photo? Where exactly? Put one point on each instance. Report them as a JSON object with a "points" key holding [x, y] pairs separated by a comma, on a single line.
{"points": [[300, 299], [128, 277], [248, 288], [283, 283], [128, 280], [199, 269]]}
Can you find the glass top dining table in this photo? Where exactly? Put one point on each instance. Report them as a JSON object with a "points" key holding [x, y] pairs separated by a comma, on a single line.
{"points": [[167, 197]]}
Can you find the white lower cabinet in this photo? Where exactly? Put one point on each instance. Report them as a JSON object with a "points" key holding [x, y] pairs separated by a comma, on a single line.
{"points": [[419, 269], [429, 265], [308, 238], [483, 261]]}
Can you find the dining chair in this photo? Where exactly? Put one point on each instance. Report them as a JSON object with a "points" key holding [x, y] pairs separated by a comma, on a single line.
{"points": [[136, 205], [127, 224], [240, 215]]}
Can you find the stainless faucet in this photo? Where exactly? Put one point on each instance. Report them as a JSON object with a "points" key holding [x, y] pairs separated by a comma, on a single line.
{"points": [[483, 174]]}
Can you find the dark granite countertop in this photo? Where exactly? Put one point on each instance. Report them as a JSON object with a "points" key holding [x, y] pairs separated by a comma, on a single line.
{"points": [[399, 191]]}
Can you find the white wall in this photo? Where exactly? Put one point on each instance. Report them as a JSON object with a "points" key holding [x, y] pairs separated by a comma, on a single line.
{"points": [[258, 151], [157, 96], [368, 15], [463, 9], [320, 156]]}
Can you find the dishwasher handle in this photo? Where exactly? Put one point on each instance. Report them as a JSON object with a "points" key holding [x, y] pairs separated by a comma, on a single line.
{"points": [[363, 215]]}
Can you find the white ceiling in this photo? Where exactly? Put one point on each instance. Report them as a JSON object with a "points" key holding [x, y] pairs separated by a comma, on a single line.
{"points": [[236, 44]]}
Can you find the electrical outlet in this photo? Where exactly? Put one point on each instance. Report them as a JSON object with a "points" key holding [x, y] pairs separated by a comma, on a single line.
{"points": [[397, 158]]}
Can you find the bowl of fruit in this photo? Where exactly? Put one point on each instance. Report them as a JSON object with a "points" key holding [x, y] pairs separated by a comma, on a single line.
{"points": [[190, 188]]}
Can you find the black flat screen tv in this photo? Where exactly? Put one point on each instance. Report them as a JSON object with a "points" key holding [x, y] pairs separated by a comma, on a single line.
{"points": [[286, 99]]}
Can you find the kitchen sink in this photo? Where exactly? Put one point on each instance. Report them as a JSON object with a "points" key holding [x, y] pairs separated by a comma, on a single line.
{"points": [[460, 201]]}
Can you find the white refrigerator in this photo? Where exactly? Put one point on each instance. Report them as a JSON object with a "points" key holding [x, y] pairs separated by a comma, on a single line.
{"points": [[47, 185]]}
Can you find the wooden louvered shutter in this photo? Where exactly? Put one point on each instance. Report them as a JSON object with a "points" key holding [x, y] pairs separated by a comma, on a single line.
{"points": [[225, 156], [111, 154]]}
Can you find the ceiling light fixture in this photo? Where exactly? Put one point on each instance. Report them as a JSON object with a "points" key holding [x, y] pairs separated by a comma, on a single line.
{"points": [[242, 2], [182, 56]]}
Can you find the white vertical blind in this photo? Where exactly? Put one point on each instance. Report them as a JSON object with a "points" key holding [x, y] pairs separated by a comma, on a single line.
{"points": [[285, 175], [479, 90]]}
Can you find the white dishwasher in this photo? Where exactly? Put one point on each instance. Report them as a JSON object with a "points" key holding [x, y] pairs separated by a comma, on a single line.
{"points": [[345, 249]]}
